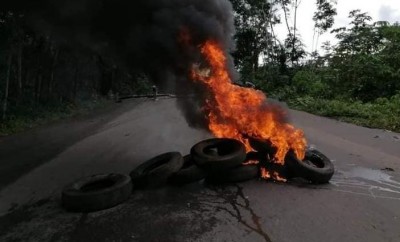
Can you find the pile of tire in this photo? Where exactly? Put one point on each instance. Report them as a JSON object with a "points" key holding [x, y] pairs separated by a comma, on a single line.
{"points": [[315, 167], [225, 161], [216, 161]]}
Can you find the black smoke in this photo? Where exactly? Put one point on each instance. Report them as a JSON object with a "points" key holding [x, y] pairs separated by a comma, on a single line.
{"points": [[140, 34]]}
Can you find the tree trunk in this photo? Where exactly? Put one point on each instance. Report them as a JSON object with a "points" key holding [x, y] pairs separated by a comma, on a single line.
{"points": [[39, 87], [105, 76], [20, 71], [317, 42], [53, 67], [75, 87], [27, 74], [294, 30], [113, 74], [9, 61], [286, 17], [255, 62]]}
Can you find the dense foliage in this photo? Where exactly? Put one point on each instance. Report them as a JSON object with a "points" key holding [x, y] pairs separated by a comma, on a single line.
{"points": [[356, 80], [42, 77]]}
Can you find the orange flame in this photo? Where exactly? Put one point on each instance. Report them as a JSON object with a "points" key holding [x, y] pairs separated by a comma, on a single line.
{"points": [[274, 175], [236, 112], [265, 173]]}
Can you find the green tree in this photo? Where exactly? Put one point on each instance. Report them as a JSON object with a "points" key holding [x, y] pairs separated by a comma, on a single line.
{"points": [[366, 58], [324, 18], [253, 20]]}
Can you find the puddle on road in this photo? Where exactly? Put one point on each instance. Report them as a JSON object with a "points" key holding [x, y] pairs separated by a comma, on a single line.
{"points": [[365, 181], [372, 175]]}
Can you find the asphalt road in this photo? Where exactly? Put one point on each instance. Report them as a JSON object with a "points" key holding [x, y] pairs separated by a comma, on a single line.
{"points": [[362, 202]]}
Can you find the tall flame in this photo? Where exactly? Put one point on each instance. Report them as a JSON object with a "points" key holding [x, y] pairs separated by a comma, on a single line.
{"points": [[236, 112]]}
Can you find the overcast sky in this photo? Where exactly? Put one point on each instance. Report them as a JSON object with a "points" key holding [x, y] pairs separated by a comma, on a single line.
{"points": [[379, 10]]}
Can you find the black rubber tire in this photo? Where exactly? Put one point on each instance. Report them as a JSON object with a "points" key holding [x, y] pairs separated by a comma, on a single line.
{"points": [[96, 192], [262, 146], [218, 154], [316, 167], [253, 156], [156, 171], [238, 174], [189, 173], [266, 154]]}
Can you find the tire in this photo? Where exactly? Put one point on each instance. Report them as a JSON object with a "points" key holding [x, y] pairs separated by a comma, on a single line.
{"points": [[156, 171], [253, 156], [96, 192], [316, 167], [189, 173], [262, 146], [218, 154], [282, 170], [262, 158], [238, 174]]}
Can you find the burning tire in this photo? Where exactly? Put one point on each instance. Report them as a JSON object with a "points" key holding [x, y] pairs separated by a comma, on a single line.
{"points": [[189, 172], [264, 158], [239, 174], [316, 167], [262, 146], [254, 157], [218, 154], [96, 192], [277, 171], [156, 172]]}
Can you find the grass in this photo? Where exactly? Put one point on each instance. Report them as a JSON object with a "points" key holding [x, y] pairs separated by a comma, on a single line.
{"points": [[32, 115], [383, 113]]}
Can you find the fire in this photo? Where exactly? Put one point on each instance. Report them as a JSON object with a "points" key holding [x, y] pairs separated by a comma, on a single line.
{"points": [[251, 162], [236, 112], [271, 175]]}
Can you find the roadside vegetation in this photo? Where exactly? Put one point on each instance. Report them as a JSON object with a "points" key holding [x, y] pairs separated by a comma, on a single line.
{"points": [[43, 79], [356, 80], [27, 117]]}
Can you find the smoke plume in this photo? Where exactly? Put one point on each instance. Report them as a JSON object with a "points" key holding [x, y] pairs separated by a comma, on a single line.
{"points": [[140, 34]]}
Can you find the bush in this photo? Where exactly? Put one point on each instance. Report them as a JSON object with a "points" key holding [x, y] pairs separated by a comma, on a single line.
{"points": [[310, 83], [382, 113], [31, 115]]}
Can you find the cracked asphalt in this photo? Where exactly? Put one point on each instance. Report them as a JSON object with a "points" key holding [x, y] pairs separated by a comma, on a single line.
{"points": [[362, 202]]}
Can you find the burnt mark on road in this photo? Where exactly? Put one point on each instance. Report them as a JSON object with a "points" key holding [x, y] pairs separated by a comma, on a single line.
{"points": [[192, 212], [43, 220], [170, 214], [234, 196]]}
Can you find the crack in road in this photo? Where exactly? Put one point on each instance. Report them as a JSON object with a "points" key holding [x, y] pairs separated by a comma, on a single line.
{"points": [[233, 197]]}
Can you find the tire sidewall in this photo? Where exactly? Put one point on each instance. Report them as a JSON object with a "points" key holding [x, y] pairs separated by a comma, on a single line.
{"points": [[189, 173], [156, 171], [77, 200], [311, 173], [218, 162]]}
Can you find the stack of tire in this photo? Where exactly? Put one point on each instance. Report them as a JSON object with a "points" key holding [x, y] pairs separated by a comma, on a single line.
{"points": [[215, 160], [315, 167]]}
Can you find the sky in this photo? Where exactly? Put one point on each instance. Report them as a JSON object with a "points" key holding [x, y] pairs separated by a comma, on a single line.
{"points": [[379, 10]]}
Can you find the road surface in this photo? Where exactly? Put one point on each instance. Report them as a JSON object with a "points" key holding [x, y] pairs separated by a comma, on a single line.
{"points": [[362, 202]]}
